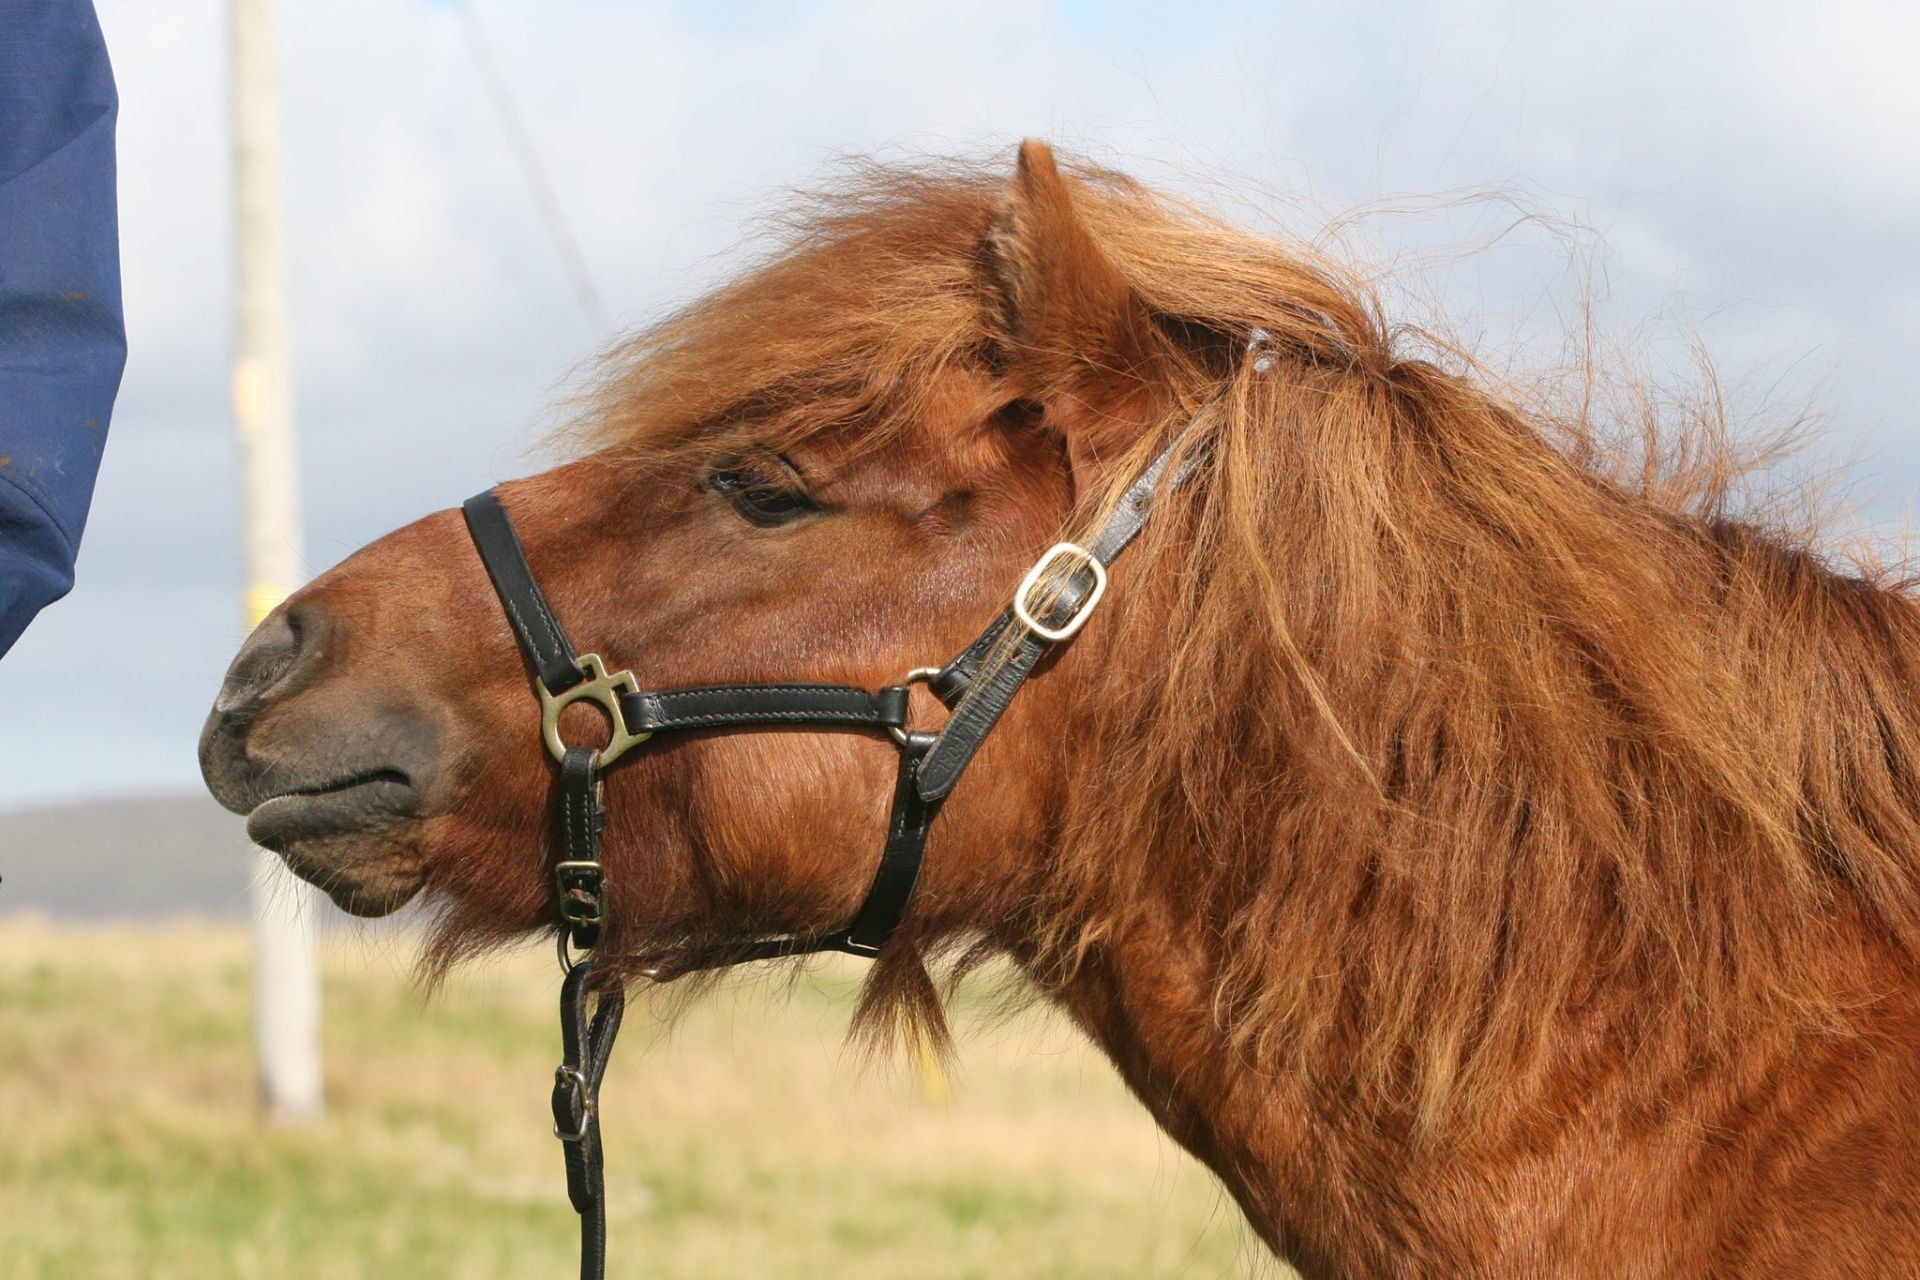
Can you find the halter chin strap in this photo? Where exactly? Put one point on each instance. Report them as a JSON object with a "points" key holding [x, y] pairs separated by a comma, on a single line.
{"points": [[1055, 600]]}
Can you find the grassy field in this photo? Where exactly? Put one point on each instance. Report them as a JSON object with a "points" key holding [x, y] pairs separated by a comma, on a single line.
{"points": [[744, 1141]]}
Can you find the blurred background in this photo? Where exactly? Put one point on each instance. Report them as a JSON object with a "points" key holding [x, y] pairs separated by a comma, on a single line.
{"points": [[479, 195]]}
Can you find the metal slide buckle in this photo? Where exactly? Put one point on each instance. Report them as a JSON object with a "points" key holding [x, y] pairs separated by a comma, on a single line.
{"points": [[603, 689], [1068, 629], [589, 878], [574, 1080]]}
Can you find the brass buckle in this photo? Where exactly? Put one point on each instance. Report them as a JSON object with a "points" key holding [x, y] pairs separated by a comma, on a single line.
{"points": [[604, 690], [1068, 629], [586, 876]]}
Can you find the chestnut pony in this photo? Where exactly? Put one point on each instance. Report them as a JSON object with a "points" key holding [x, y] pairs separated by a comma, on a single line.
{"points": [[1489, 866]]}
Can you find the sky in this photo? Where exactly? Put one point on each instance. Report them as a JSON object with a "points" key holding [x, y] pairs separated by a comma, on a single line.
{"points": [[1744, 175]]}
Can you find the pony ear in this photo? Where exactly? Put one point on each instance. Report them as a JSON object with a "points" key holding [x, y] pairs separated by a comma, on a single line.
{"points": [[1070, 331]]}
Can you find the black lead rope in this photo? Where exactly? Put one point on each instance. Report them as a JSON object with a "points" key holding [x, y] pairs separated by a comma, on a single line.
{"points": [[586, 1045], [930, 765]]}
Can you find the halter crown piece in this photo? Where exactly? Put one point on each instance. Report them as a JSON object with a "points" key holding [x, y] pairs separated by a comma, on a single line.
{"points": [[930, 765]]}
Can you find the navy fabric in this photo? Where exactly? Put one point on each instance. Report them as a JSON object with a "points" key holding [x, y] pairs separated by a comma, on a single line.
{"points": [[62, 339]]}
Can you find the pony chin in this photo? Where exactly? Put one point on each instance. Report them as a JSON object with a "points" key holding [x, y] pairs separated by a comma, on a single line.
{"points": [[366, 873]]}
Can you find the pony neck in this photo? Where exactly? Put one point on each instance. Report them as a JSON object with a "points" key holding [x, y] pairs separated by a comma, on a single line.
{"points": [[1328, 1182], [1340, 1184]]}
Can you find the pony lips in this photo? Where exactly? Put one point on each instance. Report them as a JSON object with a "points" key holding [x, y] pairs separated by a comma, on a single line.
{"points": [[321, 800]]}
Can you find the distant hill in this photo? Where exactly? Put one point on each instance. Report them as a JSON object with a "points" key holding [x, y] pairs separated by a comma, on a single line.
{"points": [[140, 857]]}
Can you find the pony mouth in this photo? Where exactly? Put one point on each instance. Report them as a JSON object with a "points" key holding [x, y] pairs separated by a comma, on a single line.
{"points": [[353, 804], [343, 838]]}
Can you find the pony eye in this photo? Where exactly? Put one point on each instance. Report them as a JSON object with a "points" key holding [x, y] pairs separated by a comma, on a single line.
{"points": [[763, 493]]}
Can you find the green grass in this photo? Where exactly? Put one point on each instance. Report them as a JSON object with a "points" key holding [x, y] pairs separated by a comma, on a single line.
{"points": [[743, 1140]]}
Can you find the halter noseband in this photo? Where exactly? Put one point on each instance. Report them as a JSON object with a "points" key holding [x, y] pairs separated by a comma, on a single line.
{"points": [[930, 765]]}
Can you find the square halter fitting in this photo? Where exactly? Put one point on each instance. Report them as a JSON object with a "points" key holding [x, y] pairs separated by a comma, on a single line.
{"points": [[1029, 617], [603, 690]]}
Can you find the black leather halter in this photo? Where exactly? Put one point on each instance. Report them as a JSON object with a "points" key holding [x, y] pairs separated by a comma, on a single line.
{"points": [[1050, 606]]}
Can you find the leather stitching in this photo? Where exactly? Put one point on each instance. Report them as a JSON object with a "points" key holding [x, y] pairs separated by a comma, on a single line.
{"points": [[520, 625], [825, 704], [732, 717], [553, 626], [798, 690]]}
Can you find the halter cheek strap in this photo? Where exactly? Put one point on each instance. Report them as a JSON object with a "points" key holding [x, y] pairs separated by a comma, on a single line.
{"points": [[977, 705], [930, 766], [533, 623]]}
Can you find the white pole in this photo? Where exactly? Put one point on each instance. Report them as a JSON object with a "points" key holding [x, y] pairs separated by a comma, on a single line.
{"points": [[286, 991]]}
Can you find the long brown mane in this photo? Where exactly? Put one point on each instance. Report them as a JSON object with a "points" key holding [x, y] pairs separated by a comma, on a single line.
{"points": [[1458, 735]]}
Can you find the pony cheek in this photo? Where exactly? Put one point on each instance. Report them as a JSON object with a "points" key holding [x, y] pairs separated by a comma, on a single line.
{"points": [[484, 853], [787, 826]]}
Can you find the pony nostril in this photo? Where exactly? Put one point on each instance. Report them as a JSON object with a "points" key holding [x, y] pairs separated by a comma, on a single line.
{"points": [[283, 648]]}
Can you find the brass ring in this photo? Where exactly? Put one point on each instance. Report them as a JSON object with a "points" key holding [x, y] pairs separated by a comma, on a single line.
{"points": [[919, 675]]}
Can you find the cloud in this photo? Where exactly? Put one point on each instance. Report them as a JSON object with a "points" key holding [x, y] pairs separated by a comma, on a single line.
{"points": [[1750, 169]]}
